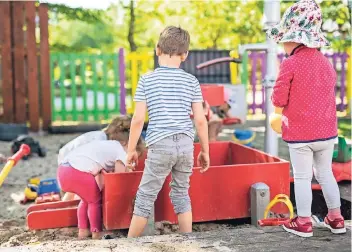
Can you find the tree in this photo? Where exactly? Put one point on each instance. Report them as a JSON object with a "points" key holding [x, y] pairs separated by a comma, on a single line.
{"points": [[131, 27], [211, 23]]}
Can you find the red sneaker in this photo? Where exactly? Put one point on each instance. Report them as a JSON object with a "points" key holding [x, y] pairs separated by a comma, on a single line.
{"points": [[302, 230], [336, 226]]}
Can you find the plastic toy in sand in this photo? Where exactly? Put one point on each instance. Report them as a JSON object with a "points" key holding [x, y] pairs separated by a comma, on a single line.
{"points": [[280, 198], [24, 150], [41, 191], [244, 137], [34, 146]]}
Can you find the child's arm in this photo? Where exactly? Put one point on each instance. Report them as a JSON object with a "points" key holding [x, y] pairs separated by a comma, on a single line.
{"points": [[137, 124], [280, 96], [201, 125], [99, 178], [120, 167], [202, 130]]}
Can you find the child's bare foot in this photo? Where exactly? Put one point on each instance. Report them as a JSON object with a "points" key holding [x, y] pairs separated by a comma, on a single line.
{"points": [[97, 235], [83, 233]]}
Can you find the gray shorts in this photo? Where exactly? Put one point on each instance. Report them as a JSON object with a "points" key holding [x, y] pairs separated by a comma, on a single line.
{"points": [[172, 154]]}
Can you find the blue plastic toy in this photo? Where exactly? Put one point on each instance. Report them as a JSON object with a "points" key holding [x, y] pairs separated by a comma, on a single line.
{"points": [[48, 186], [244, 137]]}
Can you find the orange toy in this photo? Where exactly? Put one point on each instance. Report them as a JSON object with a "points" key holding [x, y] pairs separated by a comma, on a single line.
{"points": [[50, 197]]}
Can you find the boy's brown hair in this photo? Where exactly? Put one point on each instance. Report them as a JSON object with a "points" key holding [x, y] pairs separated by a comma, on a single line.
{"points": [[174, 41], [119, 130]]}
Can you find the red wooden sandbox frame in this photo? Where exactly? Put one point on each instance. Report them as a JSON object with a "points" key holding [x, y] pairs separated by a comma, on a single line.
{"points": [[223, 192]]}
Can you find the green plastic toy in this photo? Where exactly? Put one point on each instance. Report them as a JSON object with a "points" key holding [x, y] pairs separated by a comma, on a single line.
{"points": [[343, 152]]}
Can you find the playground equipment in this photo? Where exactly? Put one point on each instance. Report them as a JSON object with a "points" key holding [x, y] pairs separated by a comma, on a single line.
{"points": [[12, 161], [343, 152], [280, 198], [271, 17], [237, 94], [224, 189]]}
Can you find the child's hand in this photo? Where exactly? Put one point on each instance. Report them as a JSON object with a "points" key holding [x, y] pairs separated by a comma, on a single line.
{"points": [[132, 160], [203, 161]]}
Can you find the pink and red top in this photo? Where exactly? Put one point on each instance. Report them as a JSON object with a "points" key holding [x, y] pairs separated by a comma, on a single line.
{"points": [[305, 88]]}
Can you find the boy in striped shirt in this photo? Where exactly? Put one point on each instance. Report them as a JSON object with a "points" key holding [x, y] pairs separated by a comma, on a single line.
{"points": [[169, 94]]}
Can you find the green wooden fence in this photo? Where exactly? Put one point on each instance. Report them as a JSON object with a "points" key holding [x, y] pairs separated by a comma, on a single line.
{"points": [[86, 87]]}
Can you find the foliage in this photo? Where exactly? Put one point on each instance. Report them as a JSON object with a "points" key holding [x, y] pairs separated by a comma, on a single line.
{"points": [[212, 24]]}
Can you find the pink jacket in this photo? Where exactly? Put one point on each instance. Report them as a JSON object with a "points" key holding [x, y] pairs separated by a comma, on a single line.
{"points": [[305, 88]]}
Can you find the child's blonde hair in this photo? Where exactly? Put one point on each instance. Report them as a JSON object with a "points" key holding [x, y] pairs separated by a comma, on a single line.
{"points": [[174, 41], [119, 130]]}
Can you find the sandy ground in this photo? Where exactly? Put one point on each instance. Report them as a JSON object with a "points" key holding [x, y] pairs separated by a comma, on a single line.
{"points": [[13, 231]]}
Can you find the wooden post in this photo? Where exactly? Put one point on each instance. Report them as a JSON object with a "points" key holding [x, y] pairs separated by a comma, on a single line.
{"points": [[45, 66], [18, 62], [32, 65], [6, 61]]}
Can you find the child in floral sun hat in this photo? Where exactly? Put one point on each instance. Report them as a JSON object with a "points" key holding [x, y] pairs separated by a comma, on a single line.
{"points": [[305, 90]]}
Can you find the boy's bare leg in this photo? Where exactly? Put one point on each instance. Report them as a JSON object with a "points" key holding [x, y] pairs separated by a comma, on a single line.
{"points": [[185, 222], [137, 226]]}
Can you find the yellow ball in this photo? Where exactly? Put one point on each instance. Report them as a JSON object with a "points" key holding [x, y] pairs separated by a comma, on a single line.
{"points": [[275, 122]]}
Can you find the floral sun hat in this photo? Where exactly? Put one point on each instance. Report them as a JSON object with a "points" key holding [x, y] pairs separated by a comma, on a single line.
{"points": [[301, 23]]}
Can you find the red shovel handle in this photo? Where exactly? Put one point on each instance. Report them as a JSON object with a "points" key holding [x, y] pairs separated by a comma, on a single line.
{"points": [[273, 222], [23, 151]]}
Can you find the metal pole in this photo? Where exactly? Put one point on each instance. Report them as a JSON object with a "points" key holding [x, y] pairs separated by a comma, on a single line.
{"points": [[272, 17]]}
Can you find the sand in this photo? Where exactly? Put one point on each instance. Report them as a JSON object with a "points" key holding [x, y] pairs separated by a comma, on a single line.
{"points": [[13, 231]]}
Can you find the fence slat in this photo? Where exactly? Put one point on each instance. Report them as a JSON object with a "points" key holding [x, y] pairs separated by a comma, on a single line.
{"points": [[62, 87], [115, 68], [105, 86], [95, 87], [122, 76], [343, 58], [262, 76], [6, 62], [72, 61], [45, 65], [84, 88], [53, 62], [33, 87], [18, 44], [254, 80]]}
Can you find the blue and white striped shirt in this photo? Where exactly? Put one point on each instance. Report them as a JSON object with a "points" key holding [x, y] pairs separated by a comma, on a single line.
{"points": [[169, 94]]}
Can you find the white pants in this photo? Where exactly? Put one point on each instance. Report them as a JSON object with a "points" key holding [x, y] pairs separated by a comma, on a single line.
{"points": [[305, 156]]}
